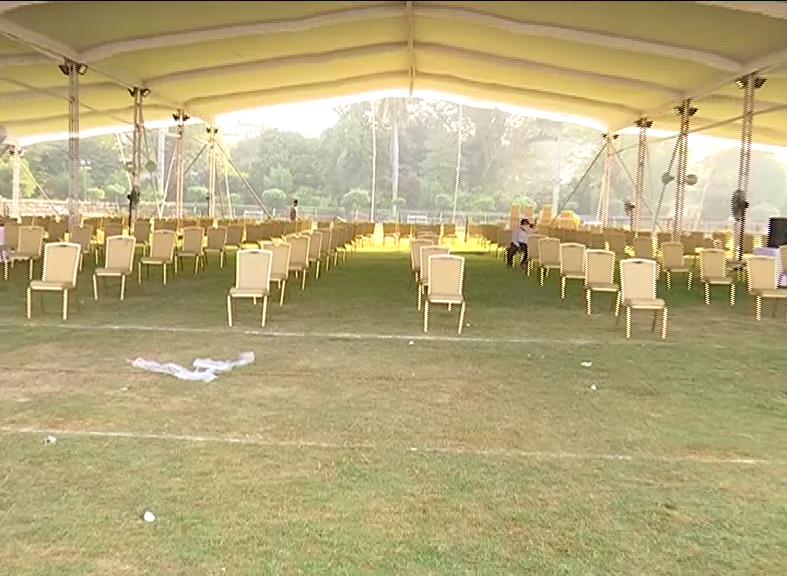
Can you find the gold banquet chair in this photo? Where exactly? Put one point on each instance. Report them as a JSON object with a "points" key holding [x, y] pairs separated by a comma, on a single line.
{"points": [[572, 264], [29, 248], [713, 272], [162, 253], [446, 274], [762, 278], [61, 265], [118, 262], [638, 278], [252, 279], [599, 277]]}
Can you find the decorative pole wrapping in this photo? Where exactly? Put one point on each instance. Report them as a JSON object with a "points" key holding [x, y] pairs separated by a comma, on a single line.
{"points": [[748, 84], [686, 111], [212, 133], [457, 178], [374, 161], [16, 181], [180, 152], [136, 154], [639, 181], [73, 70]]}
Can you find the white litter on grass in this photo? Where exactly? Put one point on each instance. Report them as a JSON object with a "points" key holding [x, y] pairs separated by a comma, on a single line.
{"points": [[586, 364], [204, 369], [592, 386], [411, 342], [148, 516], [51, 439]]}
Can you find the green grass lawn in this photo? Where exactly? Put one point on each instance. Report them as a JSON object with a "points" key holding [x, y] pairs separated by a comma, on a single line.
{"points": [[345, 449]]}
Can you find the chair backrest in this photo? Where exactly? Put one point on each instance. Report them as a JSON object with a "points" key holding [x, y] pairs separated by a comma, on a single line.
{"points": [[61, 262], [11, 235], [638, 278], [281, 257], [31, 240], [446, 273], [643, 246], [192, 239], [415, 251], [533, 243], [162, 244], [783, 256], [120, 253], [83, 235], [672, 254], [299, 250], [761, 273], [235, 234], [217, 238], [599, 266], [549, 251], [253, 269], [713, 263], [426, 253], [572, 258], [113, 229], [142, 229], [315, 245]]}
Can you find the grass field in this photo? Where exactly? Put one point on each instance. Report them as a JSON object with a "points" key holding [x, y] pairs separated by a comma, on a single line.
{"points": [[347, 449]]}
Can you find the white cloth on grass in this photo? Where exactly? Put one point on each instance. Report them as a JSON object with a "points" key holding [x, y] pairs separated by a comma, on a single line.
{"points": [[205, 369]]}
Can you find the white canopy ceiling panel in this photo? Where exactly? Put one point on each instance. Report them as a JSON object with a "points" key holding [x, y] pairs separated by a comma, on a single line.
{"points": [[609, 62]]}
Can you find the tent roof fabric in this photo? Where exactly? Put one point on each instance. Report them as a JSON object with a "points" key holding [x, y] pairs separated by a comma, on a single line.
{"points": [[609, 62]]}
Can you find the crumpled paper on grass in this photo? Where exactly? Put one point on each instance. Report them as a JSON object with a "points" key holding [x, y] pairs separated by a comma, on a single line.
{"points": [[204, 369]]}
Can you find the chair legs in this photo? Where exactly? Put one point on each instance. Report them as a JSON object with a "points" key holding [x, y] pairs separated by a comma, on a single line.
{"points": [[282, 288], [461, 317], [65, 304], [29, 304], [264, 310], [229, 311], [95, 287], [589, 301], [426, 316], [122, 288]]}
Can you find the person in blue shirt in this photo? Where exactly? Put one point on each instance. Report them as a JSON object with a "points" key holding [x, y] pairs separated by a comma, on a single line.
{"points": [[519, 243]]}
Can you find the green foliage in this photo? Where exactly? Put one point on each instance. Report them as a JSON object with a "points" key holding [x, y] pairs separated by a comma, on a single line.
{"points": [[356, 199], [505, 158], [274, 198]]}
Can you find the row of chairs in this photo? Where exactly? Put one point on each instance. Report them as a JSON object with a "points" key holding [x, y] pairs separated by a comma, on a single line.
{"points": [[595, 270], [284, 256], [438, 275]]}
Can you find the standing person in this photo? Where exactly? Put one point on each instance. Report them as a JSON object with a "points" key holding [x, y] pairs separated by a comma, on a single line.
{"points": [[294, 211], [519, 243]]}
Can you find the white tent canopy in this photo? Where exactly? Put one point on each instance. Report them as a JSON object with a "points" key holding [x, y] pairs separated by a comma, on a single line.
{"points": [[609, 62]]}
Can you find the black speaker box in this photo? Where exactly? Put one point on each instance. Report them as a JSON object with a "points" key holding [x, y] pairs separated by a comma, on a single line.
{"points": [[777, 232]]}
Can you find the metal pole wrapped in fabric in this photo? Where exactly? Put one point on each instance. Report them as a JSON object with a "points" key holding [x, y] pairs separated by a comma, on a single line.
{"points": [[749, 84], [73, 70], [686, 111], [136, 154], [639, 182]]}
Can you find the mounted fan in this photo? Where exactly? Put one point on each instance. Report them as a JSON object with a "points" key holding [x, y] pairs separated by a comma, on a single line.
{"points": [[739, 205], [629, 206]]}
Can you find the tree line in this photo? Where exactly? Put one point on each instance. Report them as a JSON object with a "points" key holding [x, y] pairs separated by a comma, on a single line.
{"points": [[410, 154]]}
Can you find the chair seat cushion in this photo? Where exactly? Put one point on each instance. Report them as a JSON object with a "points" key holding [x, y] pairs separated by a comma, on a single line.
{"points": [[444, 298], [572, 276], [679, 270], [602, 287], [55, 286], [248, 292], [154, 261], [648, 303], [770, 292], [718, 280], [181, 253], [112, 272], [278, 277]]}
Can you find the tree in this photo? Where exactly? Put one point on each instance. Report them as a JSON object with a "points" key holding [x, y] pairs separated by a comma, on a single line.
{"points": [[274, 198], [356, 199]]}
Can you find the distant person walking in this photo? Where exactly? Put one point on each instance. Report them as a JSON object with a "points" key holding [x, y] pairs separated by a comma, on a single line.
{"points": [[294, 211]]}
